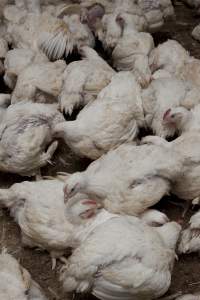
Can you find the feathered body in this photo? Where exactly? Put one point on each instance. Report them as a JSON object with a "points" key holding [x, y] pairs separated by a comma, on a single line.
{"points": [[128, 179], [186, 185], [162, 94], [173, 58], [112, 119], [83, 80], [39, 82], [129, 270], [132, 50], [16, 61], [16, 282], [26, 141]]}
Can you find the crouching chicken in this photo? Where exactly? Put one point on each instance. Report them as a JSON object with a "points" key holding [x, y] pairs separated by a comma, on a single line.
{"points": [[26, 141]]}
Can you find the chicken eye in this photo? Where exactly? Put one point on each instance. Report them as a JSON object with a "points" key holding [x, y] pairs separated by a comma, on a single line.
{"points": [[173, 116], [26, 292]]}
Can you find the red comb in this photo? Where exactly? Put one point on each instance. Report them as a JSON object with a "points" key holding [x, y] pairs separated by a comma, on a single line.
{"points": [[166, 113]]}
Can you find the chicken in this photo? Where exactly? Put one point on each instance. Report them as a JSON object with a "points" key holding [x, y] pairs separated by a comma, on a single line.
{"points": [[26, 141], [39, 210], [16, 282], [83, 80], [186, 185], [112, 119], [16, 60], [40, 82], [129, 179], [162, 94], [132, 50], [128, 271], [54, 35], [173, 58], [190, 237], [182, 119]]}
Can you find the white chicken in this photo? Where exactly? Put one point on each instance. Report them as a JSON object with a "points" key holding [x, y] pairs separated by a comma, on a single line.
{"points": [[112, 119], [186, 185], [132, 50], [26, 141], [190, 237], [39, 210], [54, 35], [128, 179], [182, 119], [174, 59], [83, 80], [39, 82], [138, 268], [16, 60], [16, 282], [162, 94]]}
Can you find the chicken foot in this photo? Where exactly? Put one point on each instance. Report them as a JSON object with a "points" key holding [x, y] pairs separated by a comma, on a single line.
{"points": [[46, 156]]}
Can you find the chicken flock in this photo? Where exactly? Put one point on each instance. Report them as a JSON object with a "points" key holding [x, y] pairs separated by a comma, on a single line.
{"points": [[120, 246]]}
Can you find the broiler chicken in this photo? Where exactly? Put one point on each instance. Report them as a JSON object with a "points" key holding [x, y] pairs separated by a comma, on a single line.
{"points": [[83, 80], [175, 60], [16, 60], [39, 210], [26, 141], [129, 179], [40, 82], [132, 50], [182, 119], [162, 94], [138, 268], [16, 282], [112, 119], [186, 185], [56, 35], [190, 237]]}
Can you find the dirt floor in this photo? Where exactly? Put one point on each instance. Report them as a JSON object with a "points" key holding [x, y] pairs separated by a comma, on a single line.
{"points": [[186, 276]]}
